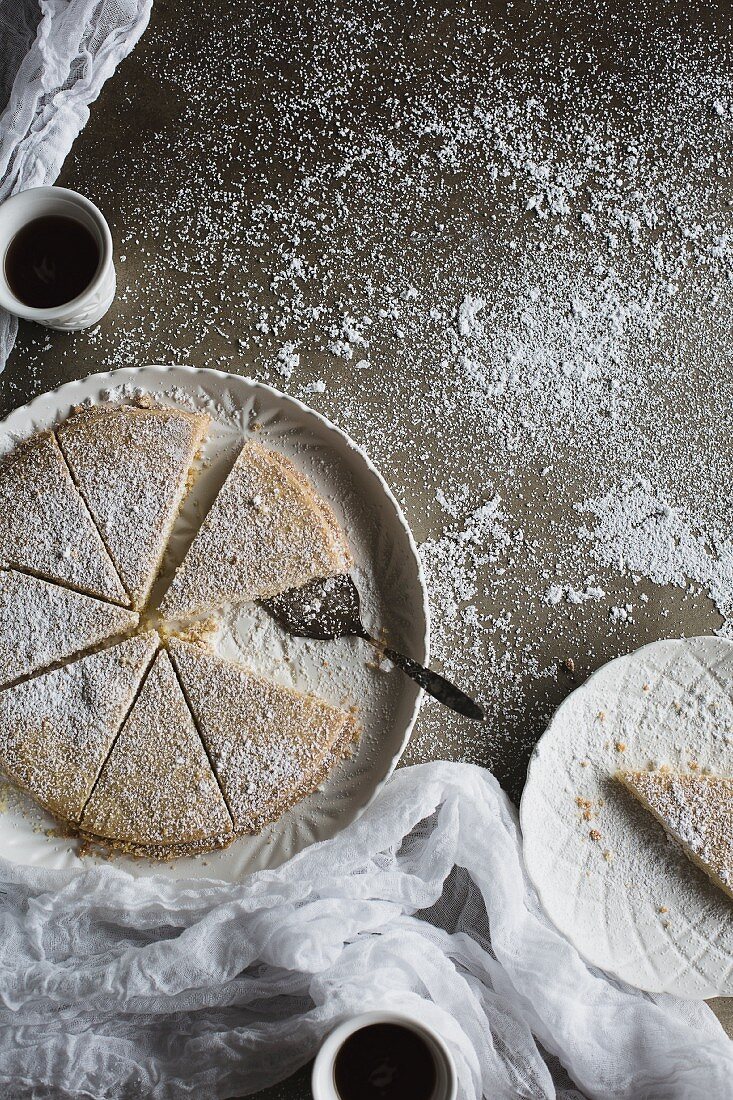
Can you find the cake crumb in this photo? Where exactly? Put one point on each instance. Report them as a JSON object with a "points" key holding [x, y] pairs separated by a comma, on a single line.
{"points": [[585, 805]]}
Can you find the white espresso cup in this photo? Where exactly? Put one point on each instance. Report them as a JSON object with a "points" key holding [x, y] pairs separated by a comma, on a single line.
{"points": [[94, 301], [323, 1079]]}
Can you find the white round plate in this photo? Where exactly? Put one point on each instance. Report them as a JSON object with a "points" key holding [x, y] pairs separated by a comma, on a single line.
{"points": [[625, 895], [388, 574]]}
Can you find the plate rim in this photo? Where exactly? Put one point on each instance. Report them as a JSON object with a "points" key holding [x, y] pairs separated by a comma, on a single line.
{"points": [[100, 379], [541, 892]]}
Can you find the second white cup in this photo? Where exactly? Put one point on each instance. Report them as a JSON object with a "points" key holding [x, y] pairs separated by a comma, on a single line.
{"points": [[323, 1082]]}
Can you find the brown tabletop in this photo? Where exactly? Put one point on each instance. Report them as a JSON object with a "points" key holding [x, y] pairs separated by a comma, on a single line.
{"points": [[308, 195]]}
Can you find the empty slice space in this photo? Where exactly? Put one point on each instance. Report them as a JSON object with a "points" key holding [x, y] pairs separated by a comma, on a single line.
{"points": [[269, 745], [267, 531], [43, 623], [57, 729], [157, 786], [133, 467]]}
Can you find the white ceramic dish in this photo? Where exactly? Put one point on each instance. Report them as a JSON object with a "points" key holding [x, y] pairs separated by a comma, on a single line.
{"points": [[388, 573], [626, 896]]}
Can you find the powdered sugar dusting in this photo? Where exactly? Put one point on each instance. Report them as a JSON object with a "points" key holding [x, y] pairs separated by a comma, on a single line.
{"points": [[132, 466], [266, 532], [636, 529], [697, 810], [42, 623], [157, 786], [44, 526], [56, 729], [343, 673]]}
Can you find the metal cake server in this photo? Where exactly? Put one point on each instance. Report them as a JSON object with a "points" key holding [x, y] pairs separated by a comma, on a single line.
{"points": [[330, 608]]}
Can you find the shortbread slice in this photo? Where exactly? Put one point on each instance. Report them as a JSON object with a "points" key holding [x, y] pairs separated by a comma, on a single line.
{"points": [[267, 531], [57, 729], [157, 786], [45, 527], [133, 467], [269, 745], [695, 809], [43, 623]]}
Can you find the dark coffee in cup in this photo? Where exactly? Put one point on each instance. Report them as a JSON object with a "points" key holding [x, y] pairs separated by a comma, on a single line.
{"points": [[385, 1062], [50, 261]]}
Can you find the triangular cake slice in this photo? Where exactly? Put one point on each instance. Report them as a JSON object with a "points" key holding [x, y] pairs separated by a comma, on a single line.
{"points": [[270, 745], [42, 623], [45, 526], [697, 810], [57, 729], [133, 467], [267, 531], [157, 786]]}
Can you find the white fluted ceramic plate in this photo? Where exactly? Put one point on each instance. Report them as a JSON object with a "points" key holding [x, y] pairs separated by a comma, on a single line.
{"points": [[387, 570], [627, 897]]}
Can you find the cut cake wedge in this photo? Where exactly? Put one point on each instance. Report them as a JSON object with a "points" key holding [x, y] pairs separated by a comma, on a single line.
{"points": [[45, 527], [267, 531], [157, 786], [42, 623], [697, 810], [57, 729], [133, 467], [269, 745]]}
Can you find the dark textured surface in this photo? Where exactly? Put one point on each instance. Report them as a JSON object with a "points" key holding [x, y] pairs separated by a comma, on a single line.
{"points": [[190, 290]]}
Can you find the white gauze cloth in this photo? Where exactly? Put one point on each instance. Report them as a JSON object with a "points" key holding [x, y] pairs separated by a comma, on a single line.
{"points": [[55, 55], [114, 987]]}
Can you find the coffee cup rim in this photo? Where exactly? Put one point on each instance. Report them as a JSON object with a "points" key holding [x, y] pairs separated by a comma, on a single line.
{"points": [[35, 198], [323, 1084]]}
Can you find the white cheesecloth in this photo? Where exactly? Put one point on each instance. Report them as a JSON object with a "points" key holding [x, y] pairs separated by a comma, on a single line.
{"points": [[55, 55], [122, 988]]}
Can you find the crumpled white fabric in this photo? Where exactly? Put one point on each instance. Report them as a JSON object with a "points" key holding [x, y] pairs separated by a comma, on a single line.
{"points": [[114, 987], [56, 55]]}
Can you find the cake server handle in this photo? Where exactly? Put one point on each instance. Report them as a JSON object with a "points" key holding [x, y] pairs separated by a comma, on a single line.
{"points": [[432, 682]]}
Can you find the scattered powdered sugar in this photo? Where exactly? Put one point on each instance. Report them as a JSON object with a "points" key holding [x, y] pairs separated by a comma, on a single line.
{"points": [[556, 593], [287, 360], [452, 561], [467, 314], [637, 530], [499, 253], [620, 614]]}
